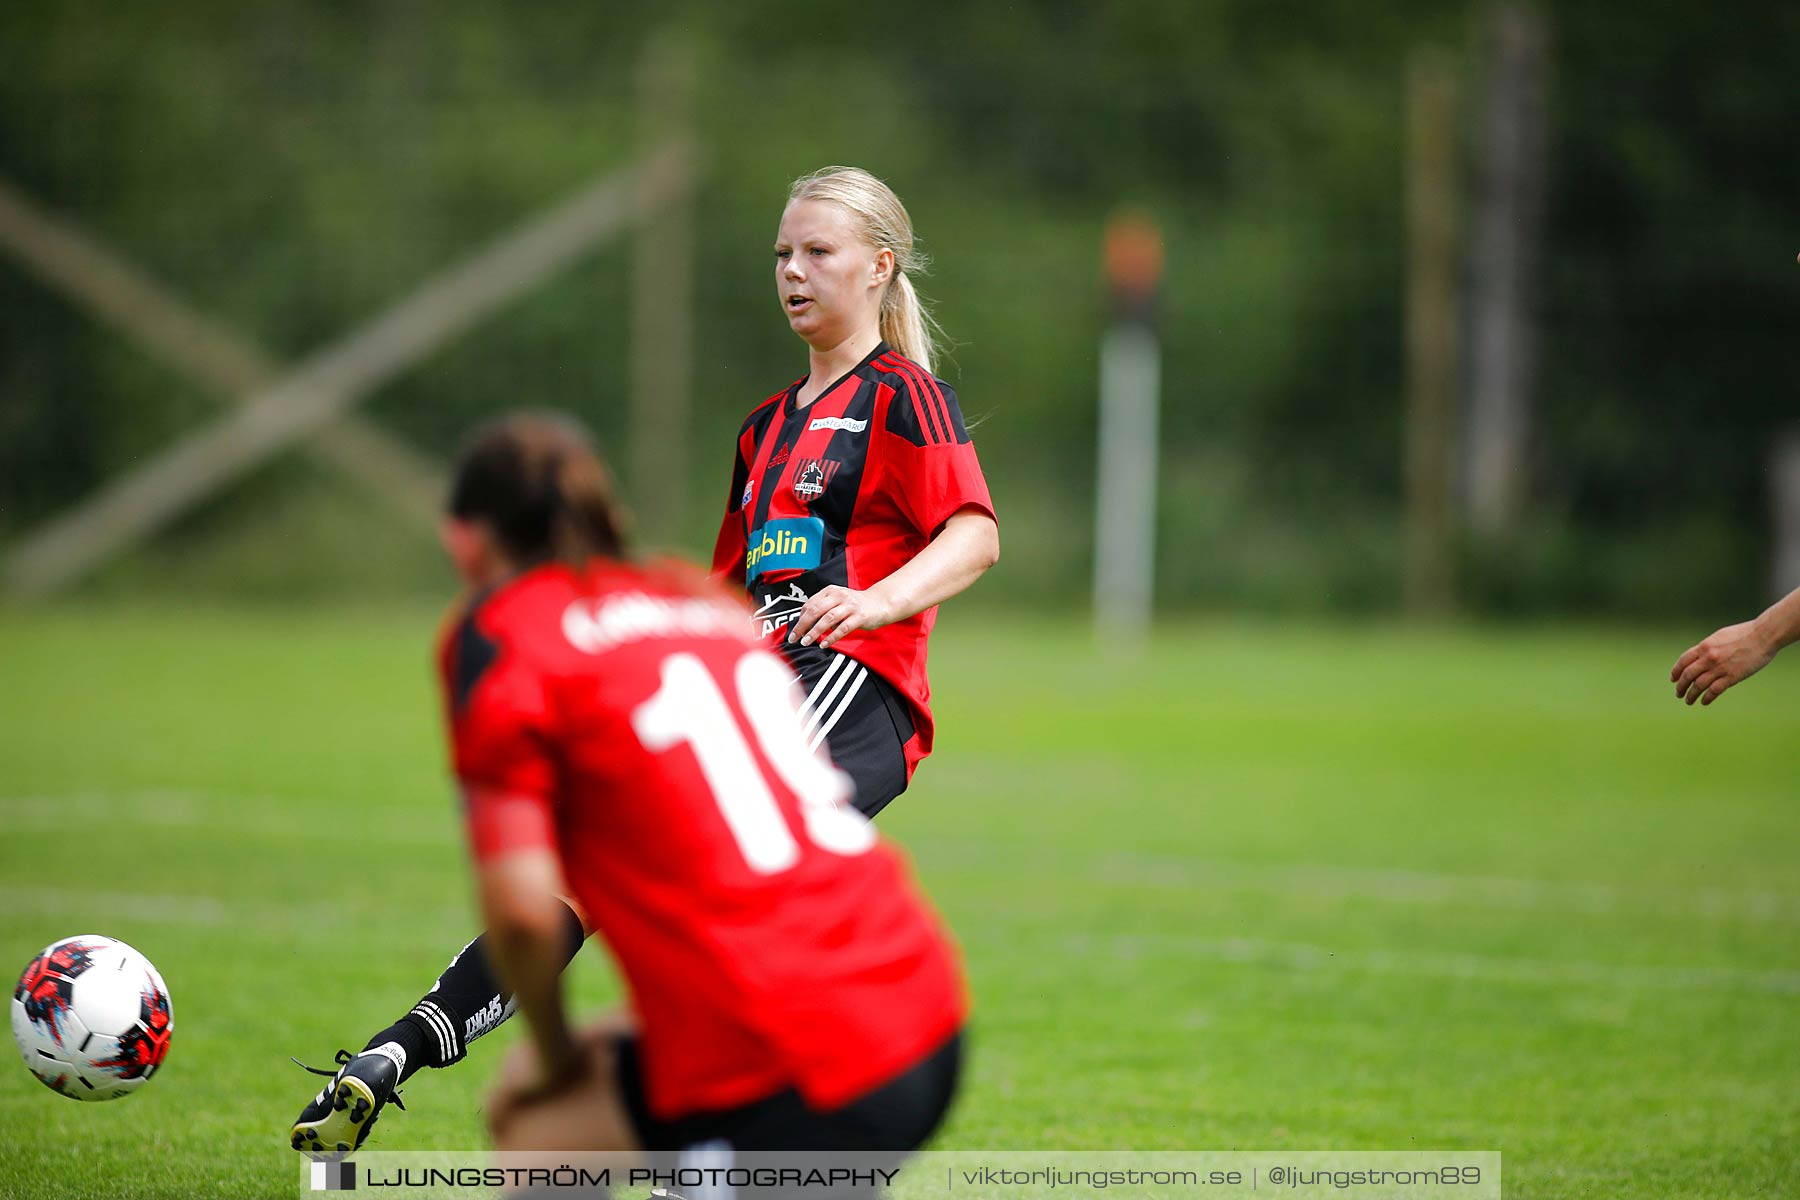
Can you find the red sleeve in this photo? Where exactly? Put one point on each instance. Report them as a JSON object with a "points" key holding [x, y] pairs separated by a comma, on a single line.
{"points": [[932, 466], [728, 547], [728, 550], [498, 823], [500, 738]]}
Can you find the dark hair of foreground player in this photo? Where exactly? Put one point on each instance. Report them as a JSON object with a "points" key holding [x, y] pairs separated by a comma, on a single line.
{"points": [[536, 480]]}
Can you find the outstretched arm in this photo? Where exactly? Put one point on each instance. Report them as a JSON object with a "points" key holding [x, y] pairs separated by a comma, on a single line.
{"points": [[1731, 655], [960, 554], [527, 944]]}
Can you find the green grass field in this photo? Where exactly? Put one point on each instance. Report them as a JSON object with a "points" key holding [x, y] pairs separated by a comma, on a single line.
{"points": [[1268, 888]]}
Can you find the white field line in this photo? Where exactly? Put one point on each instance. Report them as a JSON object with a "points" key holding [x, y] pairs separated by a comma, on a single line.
{"points": [[1431, 889], [224, 816], [163, 909], [248, 816], [81, 905], [228, 816], [1434, 889], [207, 810], [1299, 956]]}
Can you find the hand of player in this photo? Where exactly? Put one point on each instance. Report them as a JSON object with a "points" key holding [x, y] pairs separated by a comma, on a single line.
{"points": [[836, 611], [1730, 655], [523, 1082]]}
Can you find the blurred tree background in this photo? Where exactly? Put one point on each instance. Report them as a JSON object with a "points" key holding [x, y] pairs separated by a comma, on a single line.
{"points": [[293, 168]]}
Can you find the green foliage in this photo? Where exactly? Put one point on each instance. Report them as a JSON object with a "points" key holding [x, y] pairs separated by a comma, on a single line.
{"points": [[294, 168]]}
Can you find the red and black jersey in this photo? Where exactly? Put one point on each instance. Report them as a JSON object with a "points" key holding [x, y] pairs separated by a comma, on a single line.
{"points": [[846, 490], [626, 718]]}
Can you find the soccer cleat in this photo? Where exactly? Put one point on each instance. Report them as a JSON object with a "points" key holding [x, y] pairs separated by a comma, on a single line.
{"points": [[339, 1118]]}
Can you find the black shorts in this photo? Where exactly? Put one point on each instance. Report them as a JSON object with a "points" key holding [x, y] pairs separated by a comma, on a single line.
{"points": [[861, 717], [889, 1120]]}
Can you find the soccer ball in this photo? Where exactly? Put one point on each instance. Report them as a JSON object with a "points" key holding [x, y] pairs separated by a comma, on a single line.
{"points": [[92, 1018]]}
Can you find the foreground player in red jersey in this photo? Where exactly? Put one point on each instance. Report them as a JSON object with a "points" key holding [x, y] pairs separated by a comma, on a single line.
{"points": [[857, 504], [617, 727]]}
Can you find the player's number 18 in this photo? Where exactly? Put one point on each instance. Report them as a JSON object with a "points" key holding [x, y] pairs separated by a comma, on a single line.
{"points": [[689, 707]]}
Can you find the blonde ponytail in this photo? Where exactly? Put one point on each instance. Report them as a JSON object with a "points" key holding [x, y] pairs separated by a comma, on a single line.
{"points": [[906, 324]]}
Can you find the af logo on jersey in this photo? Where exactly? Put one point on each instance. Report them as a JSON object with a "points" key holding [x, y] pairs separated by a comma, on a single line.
{"points": [[812, 475], [778, 609]]}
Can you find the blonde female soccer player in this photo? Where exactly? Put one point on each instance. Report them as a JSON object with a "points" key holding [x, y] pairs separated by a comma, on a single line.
{"points": [[857, 504]]}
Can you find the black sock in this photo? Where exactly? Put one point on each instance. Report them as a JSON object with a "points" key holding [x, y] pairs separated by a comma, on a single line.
{"points": [[465, 1003], [411, 1039]]}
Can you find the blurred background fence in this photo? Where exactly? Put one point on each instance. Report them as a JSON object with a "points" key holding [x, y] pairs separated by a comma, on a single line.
{"points": [[1615, 293]]}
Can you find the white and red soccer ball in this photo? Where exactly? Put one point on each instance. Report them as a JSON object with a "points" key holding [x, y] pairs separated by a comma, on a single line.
{"points": [[92, 1018]]}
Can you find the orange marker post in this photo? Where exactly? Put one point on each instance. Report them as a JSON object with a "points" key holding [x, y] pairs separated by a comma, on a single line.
{"points": [[1130, 386]]}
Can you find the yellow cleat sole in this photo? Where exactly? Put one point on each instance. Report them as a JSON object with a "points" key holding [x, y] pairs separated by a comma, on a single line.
{"points": [[339, 1131]]}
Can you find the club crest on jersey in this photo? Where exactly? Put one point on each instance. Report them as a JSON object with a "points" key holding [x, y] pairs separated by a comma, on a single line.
{"points": [[749, 490], [811, 475], [843, 424], [790, 544]]}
